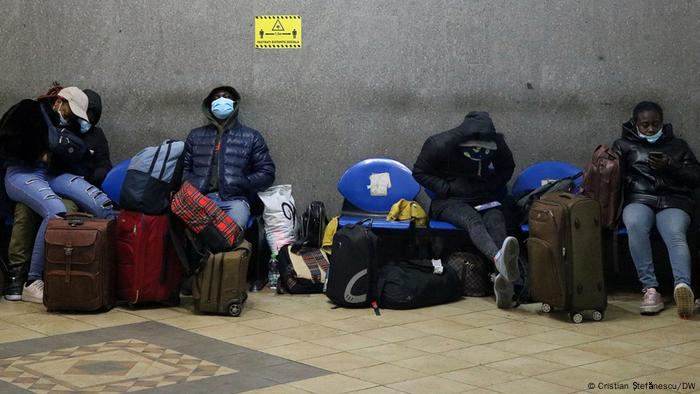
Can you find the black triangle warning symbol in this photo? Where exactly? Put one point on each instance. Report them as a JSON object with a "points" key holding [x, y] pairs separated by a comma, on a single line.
{"points": [[278, 26]]}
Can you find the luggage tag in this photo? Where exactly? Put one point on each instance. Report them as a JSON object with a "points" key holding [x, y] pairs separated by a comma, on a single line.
{"points": [[438, 269]]}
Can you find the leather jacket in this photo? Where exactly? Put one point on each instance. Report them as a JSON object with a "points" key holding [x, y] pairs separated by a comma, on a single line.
{"points": [[671, 188]]}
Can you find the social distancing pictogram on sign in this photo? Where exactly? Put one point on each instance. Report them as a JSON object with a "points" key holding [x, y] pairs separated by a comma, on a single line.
{"points": [[278, 31]]}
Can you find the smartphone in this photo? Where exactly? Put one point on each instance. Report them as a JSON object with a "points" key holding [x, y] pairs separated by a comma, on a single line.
{"points": [[656, 155]]}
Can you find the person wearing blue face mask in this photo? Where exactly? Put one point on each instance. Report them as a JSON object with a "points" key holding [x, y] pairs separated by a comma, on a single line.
{"points": [[661, 173], [40, 180], [226, 160]]}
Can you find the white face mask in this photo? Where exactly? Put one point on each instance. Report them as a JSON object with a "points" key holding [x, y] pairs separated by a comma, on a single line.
{"points": [[651, 138]]}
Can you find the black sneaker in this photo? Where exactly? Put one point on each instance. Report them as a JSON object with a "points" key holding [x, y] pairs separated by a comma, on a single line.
{"points": [[14, 289]]}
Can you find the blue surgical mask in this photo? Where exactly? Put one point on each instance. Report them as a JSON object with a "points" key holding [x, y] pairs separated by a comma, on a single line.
{"points": [[85, 126], [652, 138], [222, 107]]}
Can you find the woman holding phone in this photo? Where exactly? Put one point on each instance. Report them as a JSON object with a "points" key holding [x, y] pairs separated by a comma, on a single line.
{"points": [[661, 173]]}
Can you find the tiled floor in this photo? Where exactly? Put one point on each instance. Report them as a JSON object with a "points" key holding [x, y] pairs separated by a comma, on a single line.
{"points": [[299, 344]]}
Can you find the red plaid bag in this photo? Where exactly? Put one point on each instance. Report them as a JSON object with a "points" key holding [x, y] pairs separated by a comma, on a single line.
{"points": [[210, 224]]}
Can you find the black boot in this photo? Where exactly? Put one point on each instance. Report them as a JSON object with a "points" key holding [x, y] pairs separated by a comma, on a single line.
{"points": [[14, 289]]}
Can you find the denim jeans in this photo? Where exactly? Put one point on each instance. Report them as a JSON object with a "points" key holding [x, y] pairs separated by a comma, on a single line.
{"points": [[238, 210], [487, 230], [672, 224], [40, 191]]}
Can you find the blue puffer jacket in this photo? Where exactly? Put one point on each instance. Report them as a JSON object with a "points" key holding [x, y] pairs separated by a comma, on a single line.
{"points": [[244, 163]]}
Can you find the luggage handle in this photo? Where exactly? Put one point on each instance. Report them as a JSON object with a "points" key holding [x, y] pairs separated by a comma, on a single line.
{"points": [[77, 218]]}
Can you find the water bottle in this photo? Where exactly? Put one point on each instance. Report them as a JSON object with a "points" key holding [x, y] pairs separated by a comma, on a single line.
{"points": [[273, 274]]}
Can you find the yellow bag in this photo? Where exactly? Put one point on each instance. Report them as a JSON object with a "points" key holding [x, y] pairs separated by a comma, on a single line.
{"points": [[408, 210], [331, 228]]}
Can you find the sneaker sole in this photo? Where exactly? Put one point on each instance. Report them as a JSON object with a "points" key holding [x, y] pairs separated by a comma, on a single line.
{"points": [[685, 301], [13, 297], [32, 299], [503, 290], [651, 310], [510, 259]]}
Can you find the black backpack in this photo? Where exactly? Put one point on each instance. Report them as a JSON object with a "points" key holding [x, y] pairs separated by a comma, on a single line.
{"points": [[414, 284], [351, 276], [313, 225]]}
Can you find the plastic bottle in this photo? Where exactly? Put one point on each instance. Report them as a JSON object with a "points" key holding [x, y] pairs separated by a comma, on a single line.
{"points": [[273, 273]]}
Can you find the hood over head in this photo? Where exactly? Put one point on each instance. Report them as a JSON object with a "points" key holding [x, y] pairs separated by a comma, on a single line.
{"points": [[206, 105], [477, 126], [94, 110]]}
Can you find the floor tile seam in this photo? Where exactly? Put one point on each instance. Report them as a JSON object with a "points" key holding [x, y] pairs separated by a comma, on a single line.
{"points": [[330, 374], [616, 379], [526, 378], [335, 351], [469, 344], [441, 375], [24, 328]]}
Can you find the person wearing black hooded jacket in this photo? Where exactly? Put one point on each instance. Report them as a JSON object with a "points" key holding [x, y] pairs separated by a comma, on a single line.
{"points": [[465, 167], [226, 160], [660, 175]]}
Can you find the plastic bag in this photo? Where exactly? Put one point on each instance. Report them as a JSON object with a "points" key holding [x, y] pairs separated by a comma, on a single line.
{"points": [[280, 216]]}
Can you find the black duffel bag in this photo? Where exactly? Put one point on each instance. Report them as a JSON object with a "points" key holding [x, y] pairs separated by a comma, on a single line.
{"points": [[416, 284]]}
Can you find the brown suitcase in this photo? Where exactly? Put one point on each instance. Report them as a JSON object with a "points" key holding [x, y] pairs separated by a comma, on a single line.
{"points": [[80, 271], [220, 286], [565, 255]]}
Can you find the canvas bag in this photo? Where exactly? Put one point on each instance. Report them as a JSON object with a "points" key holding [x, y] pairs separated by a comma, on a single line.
{"points": [[153, 174], [280, 216]]}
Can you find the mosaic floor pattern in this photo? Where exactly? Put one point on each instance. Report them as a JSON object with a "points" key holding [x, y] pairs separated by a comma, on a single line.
{"points": [[143, 356]]}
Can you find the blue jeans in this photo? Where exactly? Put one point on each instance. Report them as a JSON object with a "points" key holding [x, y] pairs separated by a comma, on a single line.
{"points": [[672, 224], [40, 191], [238, 210]]}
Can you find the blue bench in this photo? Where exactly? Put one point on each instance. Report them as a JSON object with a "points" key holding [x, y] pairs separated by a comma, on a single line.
{"points": [[361, 202]]}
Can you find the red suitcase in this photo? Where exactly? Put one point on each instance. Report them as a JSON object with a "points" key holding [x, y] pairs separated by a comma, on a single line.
{"points": [[148, 269]]}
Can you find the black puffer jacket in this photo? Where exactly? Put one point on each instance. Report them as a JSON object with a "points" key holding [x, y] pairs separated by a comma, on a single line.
{"points": [[672, 188], [244, 165], [443, 167]]}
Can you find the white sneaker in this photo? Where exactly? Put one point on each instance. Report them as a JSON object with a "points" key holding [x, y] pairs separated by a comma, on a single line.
{"points": [[684, 298], [507, 259], [34, 292]]}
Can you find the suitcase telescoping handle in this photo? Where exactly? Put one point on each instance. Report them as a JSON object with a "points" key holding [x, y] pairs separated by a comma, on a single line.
{"points": [[77, 218]]}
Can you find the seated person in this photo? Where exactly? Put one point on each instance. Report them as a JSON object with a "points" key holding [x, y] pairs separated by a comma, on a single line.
{"points": [[226, 160], [455, 165], [661, 173], [27, 222], [38, 177]]}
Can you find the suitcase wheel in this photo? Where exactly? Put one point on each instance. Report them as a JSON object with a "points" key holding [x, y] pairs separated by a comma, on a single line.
{"points": [[234, 309], [576, 317], [598, 315], [546, 308]]}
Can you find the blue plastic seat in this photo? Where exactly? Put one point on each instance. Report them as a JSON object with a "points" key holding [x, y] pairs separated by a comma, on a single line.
{"points": [[112, 185], [533, 176], [359, 204]]}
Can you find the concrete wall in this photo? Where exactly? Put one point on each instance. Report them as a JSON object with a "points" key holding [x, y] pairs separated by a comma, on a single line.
{"points": [[374, 78]]}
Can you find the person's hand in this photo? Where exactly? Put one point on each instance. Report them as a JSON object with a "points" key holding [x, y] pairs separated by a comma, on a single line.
{"points": [[660, 162]]}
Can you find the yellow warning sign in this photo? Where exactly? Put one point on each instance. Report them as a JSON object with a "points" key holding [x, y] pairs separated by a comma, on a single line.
{"points": [[278, 31]]}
